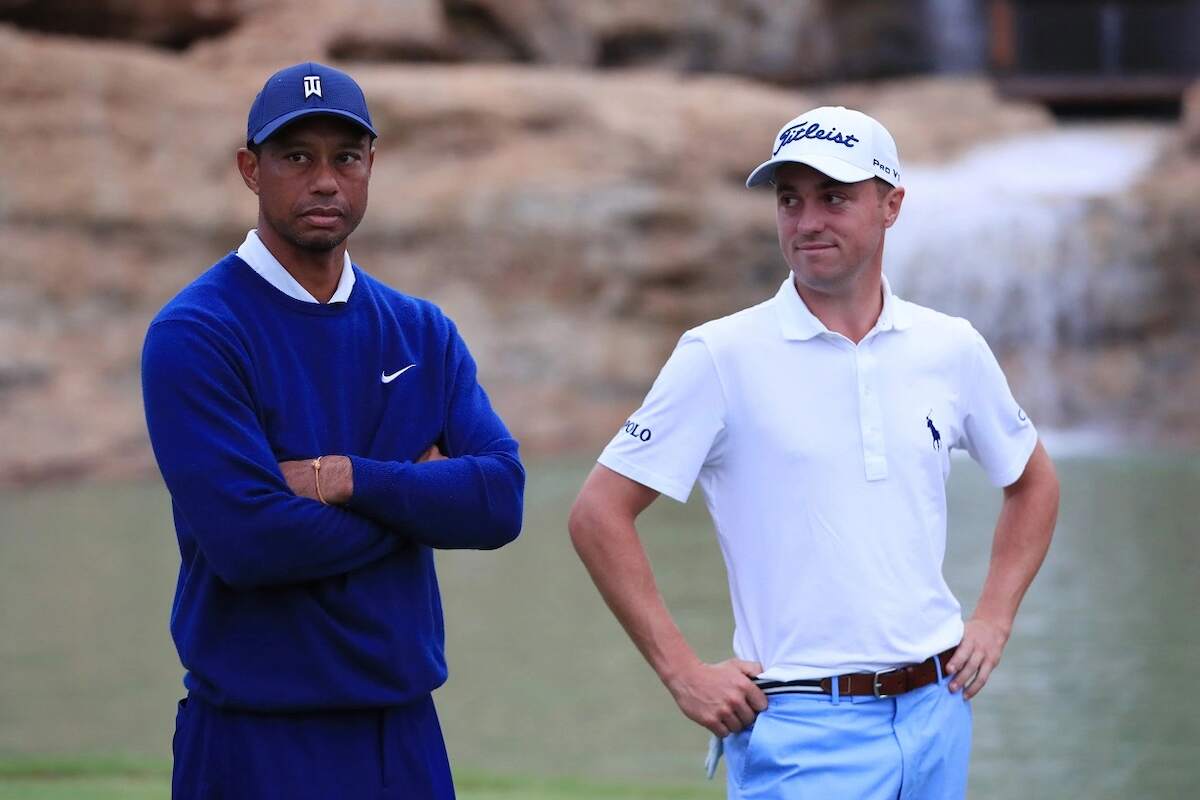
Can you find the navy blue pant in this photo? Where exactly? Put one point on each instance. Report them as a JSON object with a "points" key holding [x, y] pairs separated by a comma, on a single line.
{"points": [[381, 754]]}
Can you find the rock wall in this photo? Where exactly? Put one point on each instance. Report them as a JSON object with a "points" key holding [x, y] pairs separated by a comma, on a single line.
{"points": [[573, 221], [173, 24], [1161, 365], [776, 40]]}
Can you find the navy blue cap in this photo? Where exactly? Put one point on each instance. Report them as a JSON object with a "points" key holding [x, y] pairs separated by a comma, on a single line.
{"points": [[301, 90]]}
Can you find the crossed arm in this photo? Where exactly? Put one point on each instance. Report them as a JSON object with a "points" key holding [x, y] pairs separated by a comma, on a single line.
{"points": [[336, 476], [243, 508]]}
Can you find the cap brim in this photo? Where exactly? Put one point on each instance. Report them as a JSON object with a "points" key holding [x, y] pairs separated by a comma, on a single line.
{"points": [[274, 125], [833, 167]]}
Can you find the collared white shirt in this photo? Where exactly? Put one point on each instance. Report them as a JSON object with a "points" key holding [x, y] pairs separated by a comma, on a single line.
{"points": [[823, 464], [260, 259]]}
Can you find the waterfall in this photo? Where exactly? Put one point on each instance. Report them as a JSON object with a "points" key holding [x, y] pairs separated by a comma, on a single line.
{"points": [[957, 35], [1035, 239]]}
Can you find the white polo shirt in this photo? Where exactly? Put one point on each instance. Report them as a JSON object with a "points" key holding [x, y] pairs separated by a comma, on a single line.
{"points": [[824, 464]]}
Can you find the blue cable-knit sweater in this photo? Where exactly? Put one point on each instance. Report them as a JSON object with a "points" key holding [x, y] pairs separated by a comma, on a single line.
{"points": [[284, 603]]}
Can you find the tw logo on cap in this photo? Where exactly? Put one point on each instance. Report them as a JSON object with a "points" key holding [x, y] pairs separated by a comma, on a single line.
{"points": [[312, 85]]}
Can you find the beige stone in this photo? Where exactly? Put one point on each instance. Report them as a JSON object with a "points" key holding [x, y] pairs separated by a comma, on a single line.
{"points": [[174, 23], [574, 222], [1191, 118]]}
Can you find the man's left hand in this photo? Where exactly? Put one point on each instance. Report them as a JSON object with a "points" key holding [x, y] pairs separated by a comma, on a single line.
{"points": [[337, 479], [977, 655]]}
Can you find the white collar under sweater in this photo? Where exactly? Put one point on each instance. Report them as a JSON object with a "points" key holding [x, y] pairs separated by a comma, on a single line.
{"points": [[256, 254]]}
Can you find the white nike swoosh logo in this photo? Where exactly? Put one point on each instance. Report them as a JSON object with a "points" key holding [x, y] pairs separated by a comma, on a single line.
{"points": [[389, 378]]}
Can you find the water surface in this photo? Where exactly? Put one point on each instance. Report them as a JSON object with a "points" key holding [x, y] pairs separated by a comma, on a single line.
{"points": [[1093, 698]]}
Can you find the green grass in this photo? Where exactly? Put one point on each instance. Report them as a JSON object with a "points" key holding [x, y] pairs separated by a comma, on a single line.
{"points": [[141, 779], [13, 767], [91, 778], [490, 787], [86, 788]]}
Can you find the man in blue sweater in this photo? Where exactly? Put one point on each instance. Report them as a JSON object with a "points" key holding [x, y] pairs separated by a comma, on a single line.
{"points": [[320, 434]]}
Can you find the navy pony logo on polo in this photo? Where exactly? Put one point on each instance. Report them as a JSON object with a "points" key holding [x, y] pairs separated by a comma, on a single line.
{"points": [[803, 130], [933, 431]]}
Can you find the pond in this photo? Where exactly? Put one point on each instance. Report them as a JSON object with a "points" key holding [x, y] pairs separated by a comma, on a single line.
{"points": [[1094, 697]]}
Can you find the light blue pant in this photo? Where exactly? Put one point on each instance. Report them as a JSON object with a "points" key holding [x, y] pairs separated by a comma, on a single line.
{"points": [[912, 747]]}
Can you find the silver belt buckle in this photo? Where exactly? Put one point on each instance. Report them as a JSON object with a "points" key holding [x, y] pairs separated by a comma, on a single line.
{"points": [[876, 688]]}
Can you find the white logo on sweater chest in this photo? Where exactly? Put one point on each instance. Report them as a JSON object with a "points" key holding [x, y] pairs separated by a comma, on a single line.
{"points": [[389, 378]]}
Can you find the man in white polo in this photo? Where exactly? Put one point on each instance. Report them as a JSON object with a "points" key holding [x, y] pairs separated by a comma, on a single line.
{"points": [[819, 424]]}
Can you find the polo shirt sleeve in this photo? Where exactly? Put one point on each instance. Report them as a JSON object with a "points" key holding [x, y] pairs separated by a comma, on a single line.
{"points": [[679, 427], [997, 433]]}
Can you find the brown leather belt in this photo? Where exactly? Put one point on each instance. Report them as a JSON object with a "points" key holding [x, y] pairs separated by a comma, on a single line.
{"points": [[886, 683]]}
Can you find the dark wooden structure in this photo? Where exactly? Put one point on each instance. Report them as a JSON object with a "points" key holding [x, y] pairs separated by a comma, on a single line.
{"points": [[1095, 53]]}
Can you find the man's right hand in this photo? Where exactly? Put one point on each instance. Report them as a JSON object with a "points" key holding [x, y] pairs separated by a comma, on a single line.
{"points": [[432, 454], [721, 697]]}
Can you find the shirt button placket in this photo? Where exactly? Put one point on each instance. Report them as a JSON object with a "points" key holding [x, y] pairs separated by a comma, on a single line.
{"points": [[870, 416]]}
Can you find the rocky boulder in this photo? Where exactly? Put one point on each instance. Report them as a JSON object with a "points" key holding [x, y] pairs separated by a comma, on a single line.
{"points": [[168, 23], [784, 41], [573, 222]]}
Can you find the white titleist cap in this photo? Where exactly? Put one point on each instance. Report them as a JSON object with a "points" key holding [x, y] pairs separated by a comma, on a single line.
{"points": [[846, 145]]}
